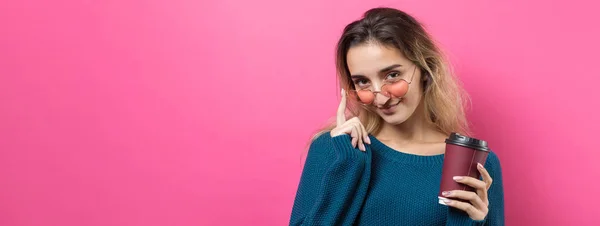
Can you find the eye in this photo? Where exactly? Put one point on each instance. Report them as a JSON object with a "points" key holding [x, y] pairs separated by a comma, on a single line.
{"points": [[361, 82], [393, 75]]}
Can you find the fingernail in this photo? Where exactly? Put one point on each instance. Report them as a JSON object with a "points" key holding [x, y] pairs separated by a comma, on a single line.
{"points": [[363, 148], [368, 140], [457, 178], [446, 193], [479, 165], [343, 91], [447, 201]]}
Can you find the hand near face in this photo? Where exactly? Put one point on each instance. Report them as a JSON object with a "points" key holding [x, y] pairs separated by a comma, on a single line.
{"points": [[353, 127]]}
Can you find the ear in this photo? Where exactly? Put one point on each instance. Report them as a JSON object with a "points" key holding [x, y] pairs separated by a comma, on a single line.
{"points": [[426, 80]]}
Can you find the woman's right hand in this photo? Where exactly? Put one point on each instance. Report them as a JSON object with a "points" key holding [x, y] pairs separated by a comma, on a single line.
{"points": [[353, 127]]}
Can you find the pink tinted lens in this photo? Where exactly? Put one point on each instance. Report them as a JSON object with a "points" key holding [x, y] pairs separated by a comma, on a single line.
{"points": [[397, 89], [366, 96]]}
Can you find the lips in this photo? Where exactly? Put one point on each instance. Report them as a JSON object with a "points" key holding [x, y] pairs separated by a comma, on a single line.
{"points": [[389, 108]]}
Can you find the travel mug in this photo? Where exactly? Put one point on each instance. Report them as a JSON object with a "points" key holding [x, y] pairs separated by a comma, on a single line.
{"points": [[461, 158]]}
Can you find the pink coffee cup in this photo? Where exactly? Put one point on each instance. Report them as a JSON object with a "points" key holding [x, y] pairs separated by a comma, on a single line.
{"points": [[461, 158]]}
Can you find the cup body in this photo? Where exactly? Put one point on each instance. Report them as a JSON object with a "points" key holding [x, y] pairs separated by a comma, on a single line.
{"points": [[461, 158]]}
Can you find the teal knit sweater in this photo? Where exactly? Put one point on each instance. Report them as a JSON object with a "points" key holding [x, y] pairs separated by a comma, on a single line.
{"points": [[341, 185]]}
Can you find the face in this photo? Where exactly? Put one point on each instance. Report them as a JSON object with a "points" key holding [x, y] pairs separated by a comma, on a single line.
{"points": [[373, 65]]}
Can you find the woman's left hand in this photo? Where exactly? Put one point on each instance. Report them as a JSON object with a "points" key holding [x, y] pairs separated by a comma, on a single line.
{"points": [[477, 207]]}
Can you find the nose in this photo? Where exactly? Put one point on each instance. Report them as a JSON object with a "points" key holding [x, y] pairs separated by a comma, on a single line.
{"points": [[380, 98]]}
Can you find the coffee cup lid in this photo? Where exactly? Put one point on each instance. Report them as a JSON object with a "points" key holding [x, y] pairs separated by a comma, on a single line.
{"points": [[470, 142]]}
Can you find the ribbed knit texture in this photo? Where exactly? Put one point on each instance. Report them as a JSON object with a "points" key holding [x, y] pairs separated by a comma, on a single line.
{"points": [[341, 185]]}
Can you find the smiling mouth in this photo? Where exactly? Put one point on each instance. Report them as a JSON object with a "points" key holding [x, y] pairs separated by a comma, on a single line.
{"points": [[390, 103]]}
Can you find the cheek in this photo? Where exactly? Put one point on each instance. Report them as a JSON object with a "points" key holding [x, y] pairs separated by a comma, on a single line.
{"points": [[415, 91]]}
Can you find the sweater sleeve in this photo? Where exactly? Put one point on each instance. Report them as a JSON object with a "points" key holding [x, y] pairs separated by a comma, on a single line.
{"points": [[333, 184], [495, 216]]}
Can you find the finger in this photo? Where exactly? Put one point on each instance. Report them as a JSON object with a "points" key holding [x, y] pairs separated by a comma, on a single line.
{"points": [[343, 129], [355, 138], [485, 175], [341, 112], [488, 182], [363, 131], [482, 193], [361, 145], [466, 195], [473, 212], [475, 183], [365, 134], [346, 129]]}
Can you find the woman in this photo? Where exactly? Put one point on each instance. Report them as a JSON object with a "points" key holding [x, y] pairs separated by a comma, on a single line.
{"points": [[383, 166]]}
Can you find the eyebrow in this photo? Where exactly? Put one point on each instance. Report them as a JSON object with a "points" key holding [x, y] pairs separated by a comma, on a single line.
{"points": [[388, 68]]}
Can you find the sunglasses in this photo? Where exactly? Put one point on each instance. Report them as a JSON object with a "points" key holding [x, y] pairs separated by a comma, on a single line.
{"points": [[392, 88]]}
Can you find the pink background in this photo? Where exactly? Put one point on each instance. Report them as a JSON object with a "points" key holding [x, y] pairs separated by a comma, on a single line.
{"points": [[197, 112]]}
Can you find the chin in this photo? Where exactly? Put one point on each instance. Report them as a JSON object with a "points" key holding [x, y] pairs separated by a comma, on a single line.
{"points": [[394, 119]]}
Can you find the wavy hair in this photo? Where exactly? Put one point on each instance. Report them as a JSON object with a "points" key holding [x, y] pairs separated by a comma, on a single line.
{"points": [[444, 99]]}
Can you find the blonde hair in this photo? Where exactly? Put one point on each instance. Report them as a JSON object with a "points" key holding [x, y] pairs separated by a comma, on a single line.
{"points": [[444, 99]]}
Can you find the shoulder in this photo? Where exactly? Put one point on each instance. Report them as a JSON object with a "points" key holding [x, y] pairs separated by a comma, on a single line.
{"points": [[321, 143], [492, 163], [326, 147], [493, 158], [320, 154]]}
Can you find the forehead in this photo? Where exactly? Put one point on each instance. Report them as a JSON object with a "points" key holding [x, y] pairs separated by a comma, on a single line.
{"points": [[367, 59]]}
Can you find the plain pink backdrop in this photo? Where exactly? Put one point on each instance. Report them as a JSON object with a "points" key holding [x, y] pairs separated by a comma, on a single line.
{"points": [[197, 112]]}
